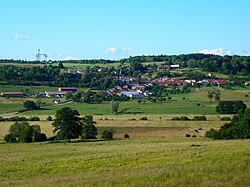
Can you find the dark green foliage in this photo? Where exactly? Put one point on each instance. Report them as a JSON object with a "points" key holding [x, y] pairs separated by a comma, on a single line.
{"points": [[30, 105], [230, 107], [143, 118], [67, 124], [107, 134], [89, 130], [41, 137], [225, 119], [199, 118], [126, 136], [184, 118], [238, 128], [23, 132], [176, 119], [33, 118], [9, 138], [188, 135], [115, 106], [49, 118]]}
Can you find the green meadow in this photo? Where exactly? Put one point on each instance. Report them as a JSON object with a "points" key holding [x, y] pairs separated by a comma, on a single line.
{"points": [[133, 162]]}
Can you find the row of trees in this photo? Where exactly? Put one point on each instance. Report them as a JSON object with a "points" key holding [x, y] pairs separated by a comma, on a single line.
{"points": [[67, 125], [208, 62]]}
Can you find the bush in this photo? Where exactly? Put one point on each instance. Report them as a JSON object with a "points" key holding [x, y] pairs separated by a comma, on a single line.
{"points": [[143, 118], [17, 118], [41, 137], [34, 118], [199, 118], [126, 136], [184, 118], [175, 119], [108, 134], [2, 119], [187, 135], [225, 119], [9, 138], [132, 119], [238, 128], [49, 118]]}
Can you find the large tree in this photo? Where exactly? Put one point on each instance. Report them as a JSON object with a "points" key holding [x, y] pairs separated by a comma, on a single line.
{"points": [[67, 124]]}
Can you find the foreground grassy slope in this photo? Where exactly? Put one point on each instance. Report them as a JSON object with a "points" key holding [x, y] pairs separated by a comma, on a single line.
{"points": [[133, 162]]}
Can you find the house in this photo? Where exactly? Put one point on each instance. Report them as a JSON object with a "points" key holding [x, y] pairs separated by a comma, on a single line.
{"points": [[67, 89], [247, 84], [221, 82], [174, 66], [13, 94], [55, 94], [103, 69]]}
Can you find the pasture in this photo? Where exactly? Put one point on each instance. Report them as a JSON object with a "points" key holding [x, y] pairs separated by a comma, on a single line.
{"points": [[132, 162]]}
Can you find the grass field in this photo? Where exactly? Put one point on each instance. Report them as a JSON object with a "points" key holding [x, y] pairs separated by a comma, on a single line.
{"points": [[132, 162]]}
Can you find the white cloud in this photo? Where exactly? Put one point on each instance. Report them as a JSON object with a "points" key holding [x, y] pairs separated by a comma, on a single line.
{"points": [[110, 50], [126, 49], [22, 36], [219, 51], [114, 50]]}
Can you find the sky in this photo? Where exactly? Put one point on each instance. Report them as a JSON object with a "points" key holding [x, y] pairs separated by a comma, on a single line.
{"points": [[115, 29]]}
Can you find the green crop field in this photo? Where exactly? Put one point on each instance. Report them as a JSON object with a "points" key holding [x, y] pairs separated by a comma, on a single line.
{"points": [[133, 162]]}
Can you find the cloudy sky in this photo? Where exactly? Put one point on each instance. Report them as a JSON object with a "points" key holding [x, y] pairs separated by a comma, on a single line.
{"points": [[114, 29]]}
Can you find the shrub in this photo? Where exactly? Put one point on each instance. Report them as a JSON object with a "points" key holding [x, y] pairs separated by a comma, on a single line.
{"points": [[108, 134], [49, 118], [188, 135], [132, 119], [199, 118], [225, 119], [41, 137], [184, 118], [194, 136], [34, 118], [143, 118], [17, 118], [126, 136], [9, 138], [2, 119], [175, 119]]}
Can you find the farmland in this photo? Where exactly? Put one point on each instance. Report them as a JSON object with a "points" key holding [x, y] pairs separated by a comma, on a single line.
{"points": [[133, 162]]}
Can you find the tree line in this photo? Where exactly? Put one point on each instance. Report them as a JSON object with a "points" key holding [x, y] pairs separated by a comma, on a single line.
{"points": [[207, 62]]}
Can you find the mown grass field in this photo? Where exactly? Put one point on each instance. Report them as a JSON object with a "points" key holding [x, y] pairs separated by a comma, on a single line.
{"points": [[132, 162]]}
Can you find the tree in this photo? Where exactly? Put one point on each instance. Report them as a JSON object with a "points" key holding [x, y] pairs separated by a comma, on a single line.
{"points": [[67, 124], [210, 95], [30, 105], [217, 95], [69, 95], [115, 106], [230, 107], [23, 132], [238, 128], [108, 134], [60, 65], [89, 130]]}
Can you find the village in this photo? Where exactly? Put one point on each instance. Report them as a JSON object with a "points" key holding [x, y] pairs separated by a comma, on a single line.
{"points": [[132, 87]]}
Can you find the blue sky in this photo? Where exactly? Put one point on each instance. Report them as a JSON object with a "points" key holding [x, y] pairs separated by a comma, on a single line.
{"points": [[114, 29]]}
